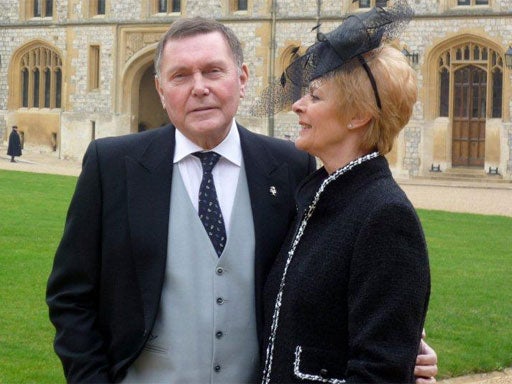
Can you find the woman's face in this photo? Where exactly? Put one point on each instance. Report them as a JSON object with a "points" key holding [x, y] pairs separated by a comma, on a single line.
{"points": [[323, 129]]}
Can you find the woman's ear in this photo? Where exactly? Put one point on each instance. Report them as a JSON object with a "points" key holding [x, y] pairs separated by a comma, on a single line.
{"points": [[359, 121]]}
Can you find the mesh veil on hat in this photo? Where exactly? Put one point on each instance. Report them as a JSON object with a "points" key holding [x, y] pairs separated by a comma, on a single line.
{"points": [[358, 34]]}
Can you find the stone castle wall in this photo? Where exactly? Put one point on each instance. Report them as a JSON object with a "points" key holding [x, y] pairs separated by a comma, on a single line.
{"points": [[102, 112]]}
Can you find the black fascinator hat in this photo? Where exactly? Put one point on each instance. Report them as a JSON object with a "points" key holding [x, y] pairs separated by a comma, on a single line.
{"points": [[358, 34]]}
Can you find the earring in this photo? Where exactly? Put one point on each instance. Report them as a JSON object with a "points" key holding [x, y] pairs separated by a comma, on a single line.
{"points": [[350, 126]]}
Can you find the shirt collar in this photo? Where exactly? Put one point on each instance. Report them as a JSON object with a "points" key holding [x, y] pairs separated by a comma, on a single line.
{"points": [[229, 148]]}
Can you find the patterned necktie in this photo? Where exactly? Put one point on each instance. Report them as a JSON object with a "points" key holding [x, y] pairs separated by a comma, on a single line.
{"points": [[209, 208]]}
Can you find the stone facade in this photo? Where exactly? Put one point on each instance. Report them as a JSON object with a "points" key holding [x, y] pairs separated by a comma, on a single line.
{"points": [[127, 35]]}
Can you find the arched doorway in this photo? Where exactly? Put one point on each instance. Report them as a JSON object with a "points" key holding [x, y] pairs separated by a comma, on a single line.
{"points": [[151, 114], [469, 82], [139, 99], [469, 116]]}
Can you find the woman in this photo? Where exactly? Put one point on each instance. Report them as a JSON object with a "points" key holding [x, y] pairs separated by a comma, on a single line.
{"points": [[347, 298]]}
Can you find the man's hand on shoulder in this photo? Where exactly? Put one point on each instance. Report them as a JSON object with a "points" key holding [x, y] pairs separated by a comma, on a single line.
{"points": [[426, 364]]}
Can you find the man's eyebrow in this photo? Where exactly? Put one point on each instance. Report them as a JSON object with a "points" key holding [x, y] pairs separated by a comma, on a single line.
{"points": [[217, 62], [209, 64]]}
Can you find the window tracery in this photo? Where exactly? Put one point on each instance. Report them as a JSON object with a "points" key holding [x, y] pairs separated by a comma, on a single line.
{"points": [[41, 78], [462, 55]]}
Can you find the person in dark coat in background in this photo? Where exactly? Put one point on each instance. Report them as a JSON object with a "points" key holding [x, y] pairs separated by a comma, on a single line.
{"points": [[347, 298], [14, 147]]}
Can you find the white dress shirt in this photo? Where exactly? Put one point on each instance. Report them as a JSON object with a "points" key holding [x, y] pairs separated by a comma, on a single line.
{"points": [[225, 173]]}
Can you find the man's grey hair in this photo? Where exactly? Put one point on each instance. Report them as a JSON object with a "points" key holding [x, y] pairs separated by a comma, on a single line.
{"points": [[187, 27]]}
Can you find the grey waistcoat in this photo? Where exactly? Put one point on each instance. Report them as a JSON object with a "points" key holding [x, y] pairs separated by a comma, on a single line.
{"points": [[205, 331]]}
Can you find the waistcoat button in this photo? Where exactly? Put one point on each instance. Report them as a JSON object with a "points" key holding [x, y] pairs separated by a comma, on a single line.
{"points": [[220, 300], [219, 334], [216, 368]]}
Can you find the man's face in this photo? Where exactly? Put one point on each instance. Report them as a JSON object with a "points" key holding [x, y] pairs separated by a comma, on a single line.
{"points": [[200, 87]]}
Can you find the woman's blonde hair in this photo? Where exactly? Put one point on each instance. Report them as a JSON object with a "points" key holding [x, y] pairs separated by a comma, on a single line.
{"points": [[396, 84]]}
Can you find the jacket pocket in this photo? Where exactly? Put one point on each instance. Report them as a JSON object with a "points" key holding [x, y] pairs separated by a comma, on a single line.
{"points": [[318, 365], [156, 345]]}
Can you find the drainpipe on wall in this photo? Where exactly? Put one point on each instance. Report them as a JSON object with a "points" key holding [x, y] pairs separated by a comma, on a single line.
{"points": [[318, 14], [272, 65]]}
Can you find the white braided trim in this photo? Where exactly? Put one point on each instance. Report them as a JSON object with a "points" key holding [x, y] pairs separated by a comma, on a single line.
{"points": [[306, 376]]}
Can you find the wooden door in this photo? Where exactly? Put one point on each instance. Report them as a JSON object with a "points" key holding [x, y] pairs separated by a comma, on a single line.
{"points": [[468, 139]]}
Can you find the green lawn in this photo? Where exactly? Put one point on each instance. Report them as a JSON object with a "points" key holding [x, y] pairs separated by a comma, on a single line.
{"points": [[470, 314], [32, 211], [469, 321]]}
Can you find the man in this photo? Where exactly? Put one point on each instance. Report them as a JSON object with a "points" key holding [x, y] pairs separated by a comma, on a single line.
{"points": [[138, 291], [14, 146]]}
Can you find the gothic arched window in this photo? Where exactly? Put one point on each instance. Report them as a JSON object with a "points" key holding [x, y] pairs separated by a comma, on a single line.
{"points": [[41, 78], [372, 3], [477, 56]]}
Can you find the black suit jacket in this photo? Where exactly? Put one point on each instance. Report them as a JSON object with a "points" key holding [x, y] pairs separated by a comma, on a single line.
{"points": [[104, 290]]}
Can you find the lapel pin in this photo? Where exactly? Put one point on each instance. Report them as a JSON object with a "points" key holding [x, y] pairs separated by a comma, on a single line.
{"points": [[273, 190]]}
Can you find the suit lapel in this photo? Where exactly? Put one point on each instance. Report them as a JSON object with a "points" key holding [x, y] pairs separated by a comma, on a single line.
{"points": [[272, 203], [267, 181], [148, 199]]}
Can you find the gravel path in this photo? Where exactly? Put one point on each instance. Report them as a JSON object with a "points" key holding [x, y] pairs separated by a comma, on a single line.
{"points": [[34, 161], [477, 197], [500, 377]]}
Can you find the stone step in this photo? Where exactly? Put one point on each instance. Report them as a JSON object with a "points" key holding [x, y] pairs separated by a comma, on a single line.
{"points": [[485, 183], [492, 179], [467, 174], [476, 177], [465, 171], [488, 179]]}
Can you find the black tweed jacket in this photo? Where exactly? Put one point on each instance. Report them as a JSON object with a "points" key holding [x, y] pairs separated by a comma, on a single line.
{"points": [[357, 288]]}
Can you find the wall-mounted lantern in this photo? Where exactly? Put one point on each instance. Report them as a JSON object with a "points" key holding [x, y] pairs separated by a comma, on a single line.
{"points": [[508, 57], [413, 57]]}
